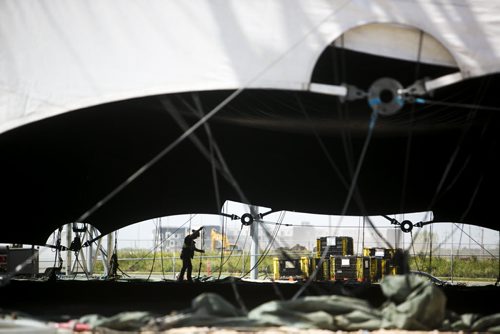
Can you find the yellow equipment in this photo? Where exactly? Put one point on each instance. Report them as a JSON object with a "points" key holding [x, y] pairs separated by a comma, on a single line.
{"points": [[219, 237]]}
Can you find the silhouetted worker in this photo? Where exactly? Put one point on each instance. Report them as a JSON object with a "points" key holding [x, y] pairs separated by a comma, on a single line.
{"points": [[187, 253]]}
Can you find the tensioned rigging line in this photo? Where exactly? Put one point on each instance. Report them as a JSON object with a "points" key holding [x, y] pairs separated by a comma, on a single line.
{"points": [[480, 96], [243, 251], [220, 163], [343, 113], [272, 238], [155, 241], [324, 226], [463, 217], [447, 170], [460, 241], [158, 157], [205, 118], [329, 158], [465, 213], [457, 105], [450, 104], [212, 144], [193, 128], [483, 89], [210, 156], [478, 243], [115, 250], [201, 257], [161, 248], [414, 254], [467, 209], [321, 143], [78, 252], [159, 245], [232, 249], [342, 108], [199, 112], [247, 260], [223, 226], [410, 128], [352, 190], [454, 155], [371, 126], [199, 108], [57, 250], [335, 168]]}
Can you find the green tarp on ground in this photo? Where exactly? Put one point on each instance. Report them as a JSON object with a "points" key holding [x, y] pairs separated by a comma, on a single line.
{"points": [[413, 303]]}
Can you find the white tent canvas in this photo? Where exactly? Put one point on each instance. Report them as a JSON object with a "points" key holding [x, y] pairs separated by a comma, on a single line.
{"points": [[57, 56]]}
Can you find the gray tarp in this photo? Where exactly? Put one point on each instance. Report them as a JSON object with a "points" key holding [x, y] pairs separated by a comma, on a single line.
{"points": [[412, 303]]}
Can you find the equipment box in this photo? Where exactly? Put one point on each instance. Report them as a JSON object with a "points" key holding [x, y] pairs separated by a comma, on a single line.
{"points": [[335, 246], [344, 268], [286, 268]]}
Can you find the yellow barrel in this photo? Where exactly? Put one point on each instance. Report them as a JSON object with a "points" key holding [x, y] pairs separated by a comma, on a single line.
{"points": [[276, 268], [304, 266]]}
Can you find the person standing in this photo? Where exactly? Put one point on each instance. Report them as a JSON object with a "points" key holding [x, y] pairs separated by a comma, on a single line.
{"points": [[187, 253]]}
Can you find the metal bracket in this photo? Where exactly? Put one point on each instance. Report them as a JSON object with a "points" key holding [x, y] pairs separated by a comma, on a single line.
{"points": [[418, 88], [353, 93]]}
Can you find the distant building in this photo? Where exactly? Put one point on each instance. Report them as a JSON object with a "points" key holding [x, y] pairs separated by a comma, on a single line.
{"points": [[172, 238], [289, 236]]}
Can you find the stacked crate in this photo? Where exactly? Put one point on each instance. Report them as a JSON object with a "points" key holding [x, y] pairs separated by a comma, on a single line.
{"points": [[334, 246], [305, 266], [287, 268], [324, 272], [339, 262], [363, 269], [383, 262], [344, 268]]}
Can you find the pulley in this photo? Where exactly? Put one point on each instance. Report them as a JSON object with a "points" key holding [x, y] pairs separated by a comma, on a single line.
{"points": [[384, 95], [406, 226], [247, 219]]}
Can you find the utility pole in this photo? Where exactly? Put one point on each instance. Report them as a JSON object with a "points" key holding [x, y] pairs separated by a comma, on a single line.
{"points": [[90, 254], [69, 238], [110, 251], [254, 248]]}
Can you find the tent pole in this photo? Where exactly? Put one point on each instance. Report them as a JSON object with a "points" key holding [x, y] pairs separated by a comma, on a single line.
{"points": [[254, 248]]}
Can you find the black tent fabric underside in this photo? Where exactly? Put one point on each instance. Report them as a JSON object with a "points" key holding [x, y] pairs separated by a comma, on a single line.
{"points": [[285, 150]]}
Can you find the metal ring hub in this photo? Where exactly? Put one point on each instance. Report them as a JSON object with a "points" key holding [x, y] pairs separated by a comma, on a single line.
{"points": [[247, 219], [406, 226], [385, 97]]}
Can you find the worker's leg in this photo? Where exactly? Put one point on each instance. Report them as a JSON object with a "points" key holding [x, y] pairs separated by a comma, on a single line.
{"points": [[189, 270], [185, 263]]}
